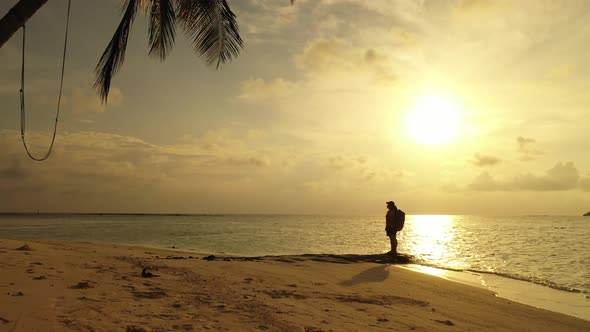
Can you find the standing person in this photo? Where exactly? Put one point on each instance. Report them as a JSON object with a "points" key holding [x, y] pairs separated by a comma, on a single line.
{"points": [[394, 222]]}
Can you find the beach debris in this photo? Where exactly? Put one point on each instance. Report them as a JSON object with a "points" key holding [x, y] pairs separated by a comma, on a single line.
{"points": [[24, 248], [146, 274], [82, 285], [40, 278], [4, 320], [135, 328], [19, 293], [262, 327], [210, 258], [248, 280], [446, 322], [292, 285], [382, 320]]}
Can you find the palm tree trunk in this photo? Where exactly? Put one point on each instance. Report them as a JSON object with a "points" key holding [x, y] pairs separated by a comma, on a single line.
{"points": [[17, 17]]}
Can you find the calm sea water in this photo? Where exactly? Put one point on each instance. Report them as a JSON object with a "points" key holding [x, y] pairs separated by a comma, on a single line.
{"points": [[548, 250]]}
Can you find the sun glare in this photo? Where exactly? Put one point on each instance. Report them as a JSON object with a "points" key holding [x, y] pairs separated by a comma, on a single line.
{"points": [[432, 120]]}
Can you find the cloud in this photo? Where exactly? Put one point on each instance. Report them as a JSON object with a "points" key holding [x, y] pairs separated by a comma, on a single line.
{"points": [[99, 171], [259, 160], [562, 176], [526, 147], [88, 169], [87, 101], [360, 168], [523, 142], [259, 88], [483, 160], [485, 182], [264, 20], [337, 59]]}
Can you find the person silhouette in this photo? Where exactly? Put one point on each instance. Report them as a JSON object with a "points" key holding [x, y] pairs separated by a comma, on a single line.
{"points": [[394, 222]]}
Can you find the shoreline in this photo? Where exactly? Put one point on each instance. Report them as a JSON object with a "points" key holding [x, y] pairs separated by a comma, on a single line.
{"points": [[575, 304], [67, 285]]}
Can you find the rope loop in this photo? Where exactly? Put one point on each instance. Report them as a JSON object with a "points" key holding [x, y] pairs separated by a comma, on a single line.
{"points": [[22, 93]]}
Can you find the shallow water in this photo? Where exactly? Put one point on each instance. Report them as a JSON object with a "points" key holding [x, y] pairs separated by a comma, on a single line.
{"points": [[546, 250]]}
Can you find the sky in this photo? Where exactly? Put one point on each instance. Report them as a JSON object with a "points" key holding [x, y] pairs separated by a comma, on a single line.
{"points": [[333, 107]]}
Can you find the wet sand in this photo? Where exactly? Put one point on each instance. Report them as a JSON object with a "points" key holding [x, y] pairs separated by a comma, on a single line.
{"points": [[62, 286]]}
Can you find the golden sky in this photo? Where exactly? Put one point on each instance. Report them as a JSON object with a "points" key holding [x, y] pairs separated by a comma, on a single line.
{"points": [[333, 107]]}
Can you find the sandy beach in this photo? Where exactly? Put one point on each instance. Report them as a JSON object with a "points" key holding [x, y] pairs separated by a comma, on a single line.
{"points": [[62, 286]]}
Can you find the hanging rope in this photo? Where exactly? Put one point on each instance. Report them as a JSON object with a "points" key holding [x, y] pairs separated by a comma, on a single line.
{"points": [[22, 93]]}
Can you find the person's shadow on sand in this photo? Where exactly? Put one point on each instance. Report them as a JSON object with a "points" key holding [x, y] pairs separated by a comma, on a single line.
{"points": [[374, 274]]}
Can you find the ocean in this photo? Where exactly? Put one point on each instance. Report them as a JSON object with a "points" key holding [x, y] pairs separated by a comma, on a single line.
{"points": [[538, 260]]}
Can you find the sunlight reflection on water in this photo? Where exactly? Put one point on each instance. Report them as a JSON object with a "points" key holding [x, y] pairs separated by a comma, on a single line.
{"points": [[431, 236]]}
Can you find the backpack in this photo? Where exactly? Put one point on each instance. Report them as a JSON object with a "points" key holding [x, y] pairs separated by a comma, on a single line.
{"points": [[400, 218]]}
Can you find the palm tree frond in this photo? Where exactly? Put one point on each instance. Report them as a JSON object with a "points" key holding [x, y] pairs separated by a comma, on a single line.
{"points": [[162, 28], [114, 55], [213, 28]]}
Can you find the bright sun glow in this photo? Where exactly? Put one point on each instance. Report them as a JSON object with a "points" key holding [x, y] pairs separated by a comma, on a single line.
{"points": [[432, 120]]}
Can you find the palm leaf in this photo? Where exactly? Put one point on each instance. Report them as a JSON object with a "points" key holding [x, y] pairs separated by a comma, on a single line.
{"points": [[114, 55], [213, 29], [162, 28]]}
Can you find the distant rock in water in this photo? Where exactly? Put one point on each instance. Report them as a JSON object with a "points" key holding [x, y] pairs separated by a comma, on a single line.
{"points": [[587, 214]]}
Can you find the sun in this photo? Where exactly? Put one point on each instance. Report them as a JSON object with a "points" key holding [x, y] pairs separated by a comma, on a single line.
{"points": [[432, 120]]}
